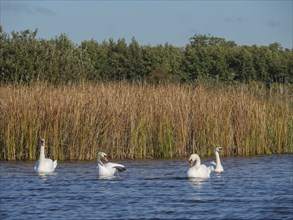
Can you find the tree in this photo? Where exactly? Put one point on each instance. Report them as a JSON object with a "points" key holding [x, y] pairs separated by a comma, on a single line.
{"points": [[26, 59]]}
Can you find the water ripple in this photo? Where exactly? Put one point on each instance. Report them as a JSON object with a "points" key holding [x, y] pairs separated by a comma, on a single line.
{"points": [[250, 188]]}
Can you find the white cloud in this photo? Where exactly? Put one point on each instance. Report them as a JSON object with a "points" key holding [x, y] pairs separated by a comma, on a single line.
{"points": [[25, 7]]}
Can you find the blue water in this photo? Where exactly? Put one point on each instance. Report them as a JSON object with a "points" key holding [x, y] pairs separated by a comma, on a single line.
{"points": [[250, 188]]}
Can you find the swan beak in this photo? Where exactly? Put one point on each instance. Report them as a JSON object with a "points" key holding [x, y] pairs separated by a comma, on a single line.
{"points": [[190, 163], [105, 158]]}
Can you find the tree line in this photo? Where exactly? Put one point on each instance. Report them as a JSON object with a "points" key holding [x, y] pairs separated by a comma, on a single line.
{"points": [[26, 59]]}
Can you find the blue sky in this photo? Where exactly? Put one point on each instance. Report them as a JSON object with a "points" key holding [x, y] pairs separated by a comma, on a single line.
{"points": [[153, 22]]}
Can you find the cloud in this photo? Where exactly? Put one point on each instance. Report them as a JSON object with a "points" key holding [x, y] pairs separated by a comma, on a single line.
{"points": [[25, 7], [233, 20], [43, 10], [273, 23], [15, 6]]}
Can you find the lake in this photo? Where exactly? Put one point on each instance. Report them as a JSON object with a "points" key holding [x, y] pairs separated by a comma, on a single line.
{"points": [[250, 188]]}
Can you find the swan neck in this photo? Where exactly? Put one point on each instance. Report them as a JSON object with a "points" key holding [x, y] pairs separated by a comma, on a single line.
{"points": [[218, 161], [197, 162], [42, 153], [99, 161]]}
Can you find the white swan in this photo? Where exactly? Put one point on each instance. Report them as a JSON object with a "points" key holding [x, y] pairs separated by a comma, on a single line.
{"points": [[219, 167], [108, 169], [197, 170], [44, 165]]}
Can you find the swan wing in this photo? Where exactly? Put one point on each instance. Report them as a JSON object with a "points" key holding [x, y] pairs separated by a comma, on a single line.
{"points": [[115, 166], [49, 164], [211, 168], [54, 164], [109, 169], [36, 165], [205, 170], [45, 166], [201, 172], [219, 168], [213, 163]]}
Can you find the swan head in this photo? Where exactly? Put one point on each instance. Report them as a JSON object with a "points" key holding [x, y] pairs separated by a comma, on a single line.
{"points": [[102, 156], [42, 141], [218, 149], [192, 158]]}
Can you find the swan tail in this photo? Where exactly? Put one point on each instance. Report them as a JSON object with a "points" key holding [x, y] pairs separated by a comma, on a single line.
{"points": [[36, 166], [213, 162], [120, 168], [211, 169], [54, 164]]}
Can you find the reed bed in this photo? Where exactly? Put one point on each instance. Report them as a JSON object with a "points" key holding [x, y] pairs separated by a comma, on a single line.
{"points": [[142, 121]]}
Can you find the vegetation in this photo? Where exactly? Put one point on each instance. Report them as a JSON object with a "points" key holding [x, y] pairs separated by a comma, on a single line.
{"points": [[144, 120], [25, 59], [140, 101]]}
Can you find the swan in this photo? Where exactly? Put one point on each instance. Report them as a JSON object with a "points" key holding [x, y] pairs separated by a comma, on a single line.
{"points": [[44, 165], [197, 170], [108, 169], [219, 168]]}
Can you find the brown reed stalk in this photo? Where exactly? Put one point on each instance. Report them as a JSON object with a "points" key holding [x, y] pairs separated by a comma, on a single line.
{"points": [[142, 120]]}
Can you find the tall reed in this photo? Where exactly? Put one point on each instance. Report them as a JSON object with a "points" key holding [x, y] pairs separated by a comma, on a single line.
{"points": [[143, 121]]}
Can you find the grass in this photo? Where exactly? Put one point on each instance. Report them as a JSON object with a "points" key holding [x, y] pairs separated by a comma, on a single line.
{"points": [[144, 121]]}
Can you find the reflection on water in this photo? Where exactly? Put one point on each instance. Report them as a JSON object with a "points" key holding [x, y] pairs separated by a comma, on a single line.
{"points": [[106, 177], [197, 182], [250, 188], [45, 176]]}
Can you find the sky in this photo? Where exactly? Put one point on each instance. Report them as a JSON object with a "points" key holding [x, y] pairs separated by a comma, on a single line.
{"points": [[153, 22]]}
